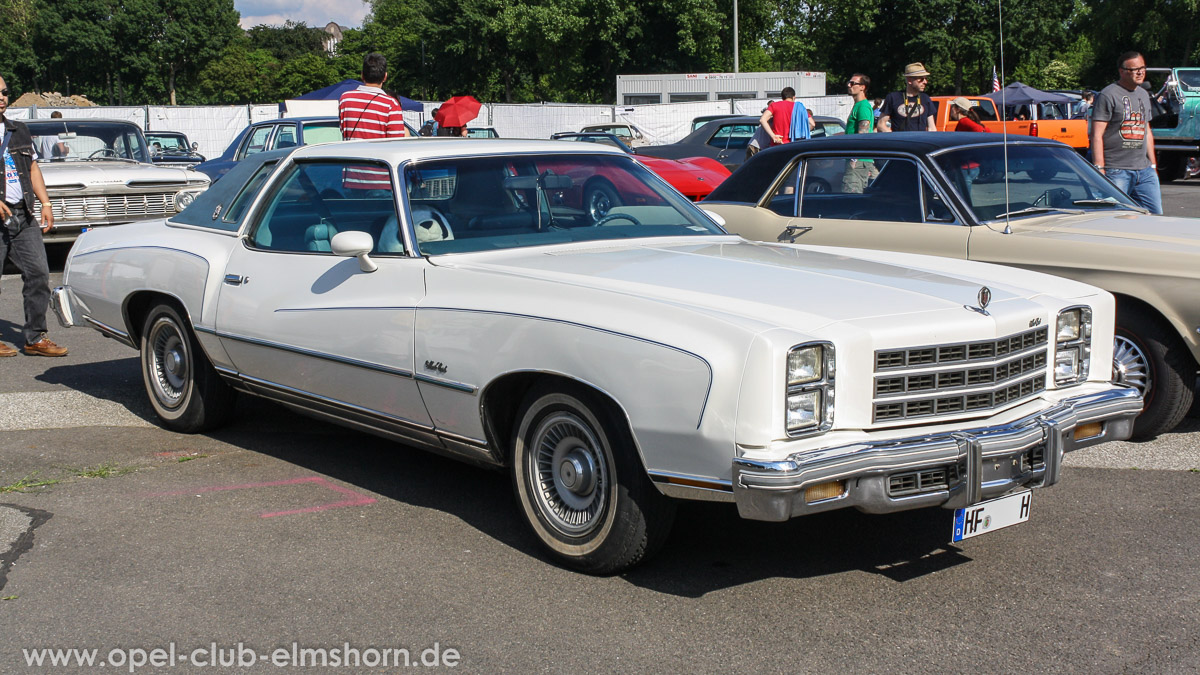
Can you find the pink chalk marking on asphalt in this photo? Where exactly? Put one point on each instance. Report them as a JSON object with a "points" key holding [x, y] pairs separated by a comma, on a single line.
{"points": [[354, 498]]}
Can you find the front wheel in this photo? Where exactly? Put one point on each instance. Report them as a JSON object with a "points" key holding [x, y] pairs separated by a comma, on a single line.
{"points": [[185, 391], [581, 485], [1150, 357]]}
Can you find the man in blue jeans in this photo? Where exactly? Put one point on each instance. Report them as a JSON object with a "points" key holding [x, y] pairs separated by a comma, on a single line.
{"points": [[21, 234], [1122, 145]]}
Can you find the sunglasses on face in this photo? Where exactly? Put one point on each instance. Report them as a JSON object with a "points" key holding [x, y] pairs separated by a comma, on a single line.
{"points": [[1135, 71], [4, 91], [852, 83]]}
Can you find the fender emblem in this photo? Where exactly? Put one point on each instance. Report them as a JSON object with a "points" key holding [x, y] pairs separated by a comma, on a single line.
{"points": [[435, 365], [1035, 322]]}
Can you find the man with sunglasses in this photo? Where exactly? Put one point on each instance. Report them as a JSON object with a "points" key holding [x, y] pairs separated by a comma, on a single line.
{"points": [[20, 233], [911, 109], [1122, 145], [861, 121]]}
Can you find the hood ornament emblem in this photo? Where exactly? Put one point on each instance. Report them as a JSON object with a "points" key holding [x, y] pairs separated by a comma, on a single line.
{"points": [[984, 298]]}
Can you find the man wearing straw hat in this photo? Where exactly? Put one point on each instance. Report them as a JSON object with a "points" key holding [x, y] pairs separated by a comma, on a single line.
{"points": [[911, 109]]}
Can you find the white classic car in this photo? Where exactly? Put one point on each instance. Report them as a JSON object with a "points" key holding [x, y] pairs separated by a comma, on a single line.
{"points": [[99, 172], [456, 295]]}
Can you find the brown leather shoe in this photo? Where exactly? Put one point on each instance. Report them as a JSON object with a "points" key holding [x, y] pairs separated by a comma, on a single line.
{"points": [[5, 350], [45, 347]]}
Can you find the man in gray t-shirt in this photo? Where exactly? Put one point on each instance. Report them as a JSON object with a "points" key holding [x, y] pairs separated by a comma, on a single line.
{"points": [[1122, 145]]}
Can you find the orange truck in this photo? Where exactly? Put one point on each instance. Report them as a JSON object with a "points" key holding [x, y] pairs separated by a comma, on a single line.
{"points": [[1072, 132]]}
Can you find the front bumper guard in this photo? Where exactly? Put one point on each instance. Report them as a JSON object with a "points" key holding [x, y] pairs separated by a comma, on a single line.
{"points": [[978, 463]]}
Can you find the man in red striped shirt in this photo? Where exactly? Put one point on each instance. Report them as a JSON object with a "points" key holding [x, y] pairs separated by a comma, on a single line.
{"points": [[370, 112]]}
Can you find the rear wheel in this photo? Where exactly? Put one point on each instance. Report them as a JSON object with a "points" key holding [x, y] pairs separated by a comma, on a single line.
{"points": [[581, 485], [185, 391], [599, 198], [1149, 356]]}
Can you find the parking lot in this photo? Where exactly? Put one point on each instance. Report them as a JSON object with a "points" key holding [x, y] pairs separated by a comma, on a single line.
{"points": [[282, 533]]}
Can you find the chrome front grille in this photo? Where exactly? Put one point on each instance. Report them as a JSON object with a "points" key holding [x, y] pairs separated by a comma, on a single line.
{"points": [[923, 381], [114, 208]]}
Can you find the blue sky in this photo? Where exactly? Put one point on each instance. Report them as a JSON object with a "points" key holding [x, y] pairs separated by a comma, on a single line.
{"points": [[315, 13]]}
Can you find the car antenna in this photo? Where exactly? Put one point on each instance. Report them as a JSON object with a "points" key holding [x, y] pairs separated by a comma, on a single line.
{"points": [[1004, 123]]}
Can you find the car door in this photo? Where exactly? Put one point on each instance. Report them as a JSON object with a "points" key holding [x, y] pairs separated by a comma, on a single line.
{"points": [[877, 202], [730, 141], [305, 325], [256, 141]]}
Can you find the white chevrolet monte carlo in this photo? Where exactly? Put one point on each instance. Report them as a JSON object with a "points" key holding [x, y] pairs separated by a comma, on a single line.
{"points": [[458, 296]]}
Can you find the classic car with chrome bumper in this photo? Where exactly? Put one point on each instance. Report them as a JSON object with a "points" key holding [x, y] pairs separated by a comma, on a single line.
{"points": [[613, 362]]}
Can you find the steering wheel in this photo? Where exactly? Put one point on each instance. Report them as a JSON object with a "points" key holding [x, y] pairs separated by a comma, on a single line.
{"points": [[613, 216], [103, 152]]}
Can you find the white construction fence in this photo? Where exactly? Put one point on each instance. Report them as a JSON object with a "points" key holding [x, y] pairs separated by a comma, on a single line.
{"points": [[214, 127]]}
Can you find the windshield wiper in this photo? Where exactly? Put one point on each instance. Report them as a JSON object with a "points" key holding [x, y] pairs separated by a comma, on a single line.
{"points": [[1034, 209], [1104, 202]]}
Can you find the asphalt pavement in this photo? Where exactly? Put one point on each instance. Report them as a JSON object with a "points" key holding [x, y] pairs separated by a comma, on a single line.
{"points": [[281, 534]]}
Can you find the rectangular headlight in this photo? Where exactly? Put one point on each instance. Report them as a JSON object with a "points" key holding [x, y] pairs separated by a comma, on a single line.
{"points": [[803, 410], [1066, 365], [1069, 323], [808, 399], [804, 365]]}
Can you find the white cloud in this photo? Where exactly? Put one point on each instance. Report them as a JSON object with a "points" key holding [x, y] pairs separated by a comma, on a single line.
{"points": [[315, 13]]}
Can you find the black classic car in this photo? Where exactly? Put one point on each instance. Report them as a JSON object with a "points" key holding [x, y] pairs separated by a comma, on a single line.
{"points": [[173, 147]]}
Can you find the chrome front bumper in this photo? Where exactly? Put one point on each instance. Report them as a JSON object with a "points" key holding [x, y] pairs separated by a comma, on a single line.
{"points": [[976, 464], [62, 301]]}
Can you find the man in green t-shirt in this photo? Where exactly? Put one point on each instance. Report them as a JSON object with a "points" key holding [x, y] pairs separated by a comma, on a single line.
{"points": [[861, 121]]}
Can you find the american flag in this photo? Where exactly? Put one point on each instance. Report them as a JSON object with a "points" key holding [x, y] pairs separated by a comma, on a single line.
{"points": [[995, 80]]}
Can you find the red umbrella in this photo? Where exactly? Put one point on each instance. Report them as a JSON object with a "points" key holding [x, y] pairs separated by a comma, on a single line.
{"points": [[458, 111]]}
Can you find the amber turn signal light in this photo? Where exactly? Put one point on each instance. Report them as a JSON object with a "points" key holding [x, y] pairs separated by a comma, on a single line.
{"points": [[816, 493], [1089, 430]]}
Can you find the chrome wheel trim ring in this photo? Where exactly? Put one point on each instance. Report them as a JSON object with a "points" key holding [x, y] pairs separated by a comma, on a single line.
{"points": [[170, 363], [1131, 366], [569, 474]]}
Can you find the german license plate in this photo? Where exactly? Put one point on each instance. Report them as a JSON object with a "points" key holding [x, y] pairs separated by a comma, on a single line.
{"points": [[991, 515]]}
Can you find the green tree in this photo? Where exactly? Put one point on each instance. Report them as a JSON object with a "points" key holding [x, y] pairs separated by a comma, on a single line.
{"points": [[175, 39], [289, 41], [306, 73], [17, 33], [240, 75]]}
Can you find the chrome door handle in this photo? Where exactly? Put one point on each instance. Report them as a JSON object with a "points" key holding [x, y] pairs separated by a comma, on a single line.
{"points": [[236, 280]]}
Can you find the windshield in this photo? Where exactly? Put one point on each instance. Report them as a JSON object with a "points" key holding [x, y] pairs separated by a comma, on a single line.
{"points": [[1189, 78], [168, 143], [1040, 178], [82, 140], [485, 203]]}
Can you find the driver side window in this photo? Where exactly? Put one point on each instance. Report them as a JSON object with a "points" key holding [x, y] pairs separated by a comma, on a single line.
{"points": [[861, 188], [312, 203]]}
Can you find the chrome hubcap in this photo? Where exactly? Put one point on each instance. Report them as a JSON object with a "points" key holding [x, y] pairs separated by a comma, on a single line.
{"points": [[169, 362], [570, 474], [1130, 365]]}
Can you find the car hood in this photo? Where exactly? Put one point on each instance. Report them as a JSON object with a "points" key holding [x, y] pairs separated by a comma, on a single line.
{"points": [[814, 286], [700, 173], [91, 174], [1128, 225]]}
